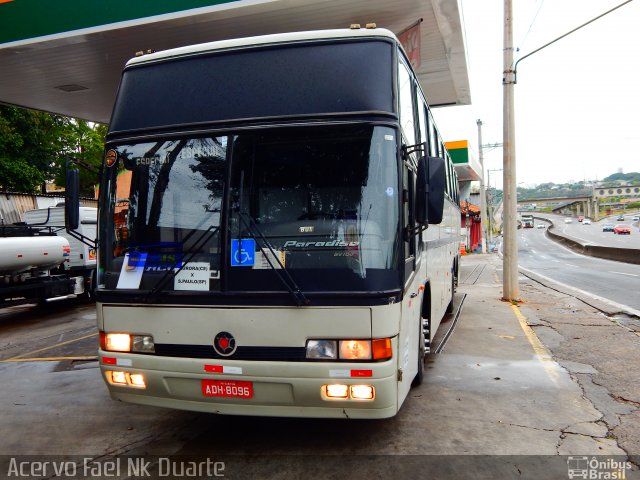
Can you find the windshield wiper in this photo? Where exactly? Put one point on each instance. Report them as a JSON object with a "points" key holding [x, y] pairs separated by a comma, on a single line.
{"points": [[282, 272]]}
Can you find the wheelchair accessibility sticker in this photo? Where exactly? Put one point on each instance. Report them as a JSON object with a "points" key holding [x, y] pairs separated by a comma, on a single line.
{"points": [[243, 252]]}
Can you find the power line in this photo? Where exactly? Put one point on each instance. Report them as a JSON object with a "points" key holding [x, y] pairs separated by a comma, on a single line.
{"points": [[531, 25]]}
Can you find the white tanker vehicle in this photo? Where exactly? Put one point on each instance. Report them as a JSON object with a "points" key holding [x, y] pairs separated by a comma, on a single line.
{"points": [[39, 260]]}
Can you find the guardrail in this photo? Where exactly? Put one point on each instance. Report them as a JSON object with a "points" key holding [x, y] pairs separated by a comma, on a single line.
{"points": [[627, 255]]}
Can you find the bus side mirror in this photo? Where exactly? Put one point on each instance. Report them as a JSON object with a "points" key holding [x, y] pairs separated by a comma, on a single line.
{"points": [[72, 200], [422, 192], [437, 188]]}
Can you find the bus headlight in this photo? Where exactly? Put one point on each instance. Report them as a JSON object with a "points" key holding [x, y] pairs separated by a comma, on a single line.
{"points": [[117, 342], [376, 349], [124, 342], [142, 344], [322, 349], [355, 349]]}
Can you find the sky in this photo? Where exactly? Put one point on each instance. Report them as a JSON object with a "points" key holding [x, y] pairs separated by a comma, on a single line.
{"points": [[577, 102]]}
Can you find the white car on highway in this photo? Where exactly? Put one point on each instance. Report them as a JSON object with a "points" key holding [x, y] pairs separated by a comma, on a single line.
{"points": [[568, 220]]}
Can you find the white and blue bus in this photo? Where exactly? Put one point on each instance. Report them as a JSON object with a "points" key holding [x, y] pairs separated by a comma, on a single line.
{"points": [[278, 228]]}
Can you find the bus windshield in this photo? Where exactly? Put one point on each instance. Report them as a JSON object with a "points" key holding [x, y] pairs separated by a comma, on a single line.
{"points": [[320, 202]]}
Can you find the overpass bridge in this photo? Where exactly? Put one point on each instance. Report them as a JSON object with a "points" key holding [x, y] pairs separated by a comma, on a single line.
{"points": [[581, 205]]}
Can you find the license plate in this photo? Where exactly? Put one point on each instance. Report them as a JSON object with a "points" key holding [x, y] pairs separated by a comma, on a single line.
{"points": [[227, 388]]}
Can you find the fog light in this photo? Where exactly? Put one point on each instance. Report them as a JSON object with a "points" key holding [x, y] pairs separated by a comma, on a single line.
{"points": [[118, 378], [337, 391], [362, 392], [137, 380]]}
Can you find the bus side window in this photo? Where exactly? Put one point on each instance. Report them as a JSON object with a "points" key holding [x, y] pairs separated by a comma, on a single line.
{"points": [[434, 137], [405, 87], [450, 177], [448, 172], [422, 124], [408, 185]]}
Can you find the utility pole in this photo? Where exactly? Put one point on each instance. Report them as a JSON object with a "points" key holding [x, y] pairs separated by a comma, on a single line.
{"points": [[483, 193], [510, 289]]}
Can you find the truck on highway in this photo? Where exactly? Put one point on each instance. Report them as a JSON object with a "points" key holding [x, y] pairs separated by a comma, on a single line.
{"points": [[40, 260], [527, 221]]}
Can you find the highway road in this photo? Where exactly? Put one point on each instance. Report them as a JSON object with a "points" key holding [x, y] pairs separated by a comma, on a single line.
{"points": [[616, 282], [593, 234]]}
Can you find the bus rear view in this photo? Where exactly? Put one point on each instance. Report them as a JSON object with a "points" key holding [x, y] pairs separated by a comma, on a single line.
{"points": [[255, 226]]}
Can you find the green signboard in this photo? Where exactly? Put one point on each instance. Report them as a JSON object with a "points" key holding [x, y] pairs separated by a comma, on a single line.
{"points": [[459, 155], [28, 19]]}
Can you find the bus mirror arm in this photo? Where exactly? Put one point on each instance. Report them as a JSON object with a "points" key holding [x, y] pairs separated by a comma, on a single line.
{"points": [[72, 199], [422, 192], [436, 189], [72, 207]]}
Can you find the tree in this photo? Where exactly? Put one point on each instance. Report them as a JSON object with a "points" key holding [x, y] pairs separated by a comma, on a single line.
{"points": [[16, 172], [34, 146], [83, 145]]}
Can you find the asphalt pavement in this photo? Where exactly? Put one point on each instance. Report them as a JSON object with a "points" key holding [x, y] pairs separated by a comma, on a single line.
{"points": [[606, 280], [516, 390]]}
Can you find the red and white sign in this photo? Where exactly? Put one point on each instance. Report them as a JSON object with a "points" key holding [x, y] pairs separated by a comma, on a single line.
{"points": [[122, 362], [223, 369], [350, 373]]}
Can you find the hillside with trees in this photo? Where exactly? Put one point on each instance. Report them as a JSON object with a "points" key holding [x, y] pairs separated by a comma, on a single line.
{"points": [[631, 178]]}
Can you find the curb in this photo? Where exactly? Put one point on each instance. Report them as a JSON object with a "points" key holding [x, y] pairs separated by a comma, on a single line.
{"points": [[625, 255]]}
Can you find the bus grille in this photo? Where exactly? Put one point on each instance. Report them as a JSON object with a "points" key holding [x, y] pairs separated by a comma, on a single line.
{"points": [[282, 354]]}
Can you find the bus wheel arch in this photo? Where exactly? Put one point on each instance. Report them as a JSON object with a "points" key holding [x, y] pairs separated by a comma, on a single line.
{"points": [[423, 334]]}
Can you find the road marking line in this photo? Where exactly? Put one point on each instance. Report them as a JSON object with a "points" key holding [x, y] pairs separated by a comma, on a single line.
{"points": [[541, 351], [622, 273], [47, 359], [623, 308], [53, 346]]}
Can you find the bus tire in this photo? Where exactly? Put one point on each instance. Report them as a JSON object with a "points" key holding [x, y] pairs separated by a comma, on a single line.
{"points": [[456, 267]]}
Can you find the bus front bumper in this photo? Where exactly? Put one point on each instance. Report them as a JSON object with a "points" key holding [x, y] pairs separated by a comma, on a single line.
{"points": [[287, 389]]}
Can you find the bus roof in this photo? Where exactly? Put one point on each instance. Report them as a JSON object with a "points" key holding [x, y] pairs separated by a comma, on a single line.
{"points": [[264, 40]]}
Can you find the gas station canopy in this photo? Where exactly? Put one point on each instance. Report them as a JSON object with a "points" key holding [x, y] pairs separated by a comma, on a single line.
{"points": [[67, 57]]}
